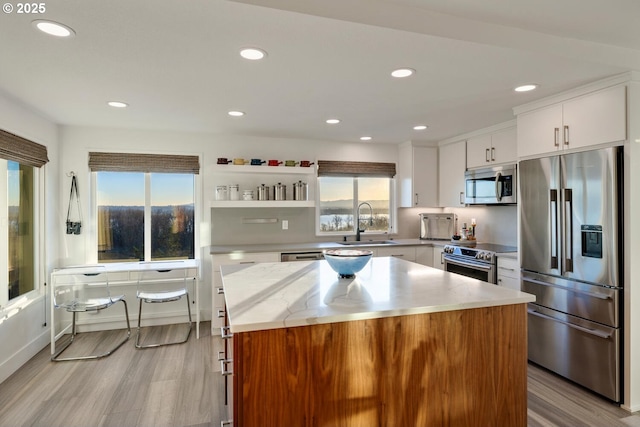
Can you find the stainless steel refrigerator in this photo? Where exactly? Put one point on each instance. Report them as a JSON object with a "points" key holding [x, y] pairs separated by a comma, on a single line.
{"points": [[571, 257]]}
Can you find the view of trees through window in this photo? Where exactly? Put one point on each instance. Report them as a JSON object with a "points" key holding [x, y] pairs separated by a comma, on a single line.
{"points": [[18, 235], [340, 198], [126, 199]]}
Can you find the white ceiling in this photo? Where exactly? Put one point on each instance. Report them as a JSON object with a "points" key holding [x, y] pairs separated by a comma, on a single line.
{"points": [[176, 63]]}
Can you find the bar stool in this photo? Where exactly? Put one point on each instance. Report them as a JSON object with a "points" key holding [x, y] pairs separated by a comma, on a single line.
{"points": [[85, 289], [157, 283]]}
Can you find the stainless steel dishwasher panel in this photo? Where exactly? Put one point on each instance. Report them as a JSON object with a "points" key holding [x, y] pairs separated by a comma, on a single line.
{"points": [[590, 351]]}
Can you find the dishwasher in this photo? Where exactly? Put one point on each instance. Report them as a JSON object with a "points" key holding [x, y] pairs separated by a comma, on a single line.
{"points": [[301, 256]]}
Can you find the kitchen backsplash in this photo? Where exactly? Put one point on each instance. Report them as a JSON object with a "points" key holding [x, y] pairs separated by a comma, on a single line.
{"points": [[496, 224]]}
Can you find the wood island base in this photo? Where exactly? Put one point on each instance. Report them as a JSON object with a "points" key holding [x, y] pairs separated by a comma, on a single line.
{"points": [[451, 368]]}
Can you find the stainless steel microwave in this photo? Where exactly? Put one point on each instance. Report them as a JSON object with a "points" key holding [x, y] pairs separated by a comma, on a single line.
{"points": [[491, 186]]}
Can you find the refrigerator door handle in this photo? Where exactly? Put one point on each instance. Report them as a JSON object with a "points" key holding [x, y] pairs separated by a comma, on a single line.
{"points": [[568, 227], [498, 186], [553, 211]]}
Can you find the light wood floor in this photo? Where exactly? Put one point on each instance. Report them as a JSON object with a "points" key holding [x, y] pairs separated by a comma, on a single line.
{"points": [[181, 385]]}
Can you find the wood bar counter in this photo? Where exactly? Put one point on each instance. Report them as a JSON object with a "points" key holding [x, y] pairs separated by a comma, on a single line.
{"points": [[400, 345]]}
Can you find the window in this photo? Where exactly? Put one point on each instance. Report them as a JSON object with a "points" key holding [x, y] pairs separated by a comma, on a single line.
{"points": [[18, 238], [20, 160], [340, 199], [145, 216]]}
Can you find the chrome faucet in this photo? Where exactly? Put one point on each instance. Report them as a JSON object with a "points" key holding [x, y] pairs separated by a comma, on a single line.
{"points": [[358, 231]]}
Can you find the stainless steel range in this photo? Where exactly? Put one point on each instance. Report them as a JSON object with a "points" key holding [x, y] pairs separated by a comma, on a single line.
{"points": [[478, 262]]}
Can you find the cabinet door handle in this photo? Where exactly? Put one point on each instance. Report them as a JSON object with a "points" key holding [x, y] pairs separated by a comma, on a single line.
{"points": [[225, 332], [397, 255], [223, 367], [221, 355], [226, 423], [493, 154], [556, 137], [442, 258], [417, 199], [220, 290], [220, 313], [247, 262], [566, 134], [486, 155], [462, 197]]}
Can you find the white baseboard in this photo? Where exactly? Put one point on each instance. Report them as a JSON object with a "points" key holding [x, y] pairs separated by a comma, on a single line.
{"points": [[22, 356]]}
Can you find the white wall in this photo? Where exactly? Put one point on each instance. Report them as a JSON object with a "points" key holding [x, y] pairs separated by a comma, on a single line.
{"points": [[26, 329]]}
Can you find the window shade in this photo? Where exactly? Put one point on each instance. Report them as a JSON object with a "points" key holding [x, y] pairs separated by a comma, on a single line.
{"points": [[131, 162], [372, 169], [23, 151]]}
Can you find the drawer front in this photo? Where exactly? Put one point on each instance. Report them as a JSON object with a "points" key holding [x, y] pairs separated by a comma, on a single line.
{"points": [[243, 258], [592, 302], [405, 252], [583, 351], [509, 267]]}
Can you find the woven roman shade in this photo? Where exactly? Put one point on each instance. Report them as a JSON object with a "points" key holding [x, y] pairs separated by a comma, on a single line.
{"points": [[23, 151], [131, 162], [355, 169]]}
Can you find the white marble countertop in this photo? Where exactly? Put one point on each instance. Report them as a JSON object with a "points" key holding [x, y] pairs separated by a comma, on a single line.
{"points": [[276, 295]]}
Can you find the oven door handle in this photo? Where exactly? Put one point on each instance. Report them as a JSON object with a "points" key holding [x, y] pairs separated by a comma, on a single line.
{"points": [[597, 333], [471, 264]]}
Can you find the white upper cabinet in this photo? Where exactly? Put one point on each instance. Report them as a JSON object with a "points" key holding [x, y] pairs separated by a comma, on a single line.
{"points": [[417, 176], [492, 149], [595, 118], [452, 164]]}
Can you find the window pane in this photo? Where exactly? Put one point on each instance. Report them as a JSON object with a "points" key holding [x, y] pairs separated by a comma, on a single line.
{"points": [[172, 221], [120, 199], [376, 192], [20, 180], [336, 204]]}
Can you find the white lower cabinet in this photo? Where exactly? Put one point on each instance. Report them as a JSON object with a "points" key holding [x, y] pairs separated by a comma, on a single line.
{"points": [[438, 257], [424, 255], [217, 291], [403, 252], [509, 273]]}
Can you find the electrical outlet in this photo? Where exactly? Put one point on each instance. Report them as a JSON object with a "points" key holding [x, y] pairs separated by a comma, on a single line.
{"points": [[285, 224]]}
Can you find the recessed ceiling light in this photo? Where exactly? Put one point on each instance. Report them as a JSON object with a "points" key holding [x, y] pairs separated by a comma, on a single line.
{"points": [[526, 88], [117, 104], [333, 121], [365, 138], [236, 113], [53, 28], [403, 72], [420, 127], [253, 53]]}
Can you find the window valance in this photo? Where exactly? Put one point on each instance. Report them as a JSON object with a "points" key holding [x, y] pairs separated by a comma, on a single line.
{"points": [[132, 162], [21, 150], [356, 169]]}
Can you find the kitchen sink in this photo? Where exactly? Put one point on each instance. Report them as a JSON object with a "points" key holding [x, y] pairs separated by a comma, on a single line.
{"points": [[368, 242]]}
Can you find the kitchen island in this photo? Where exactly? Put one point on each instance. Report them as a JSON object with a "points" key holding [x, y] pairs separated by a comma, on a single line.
{"points": [[400, 345]]}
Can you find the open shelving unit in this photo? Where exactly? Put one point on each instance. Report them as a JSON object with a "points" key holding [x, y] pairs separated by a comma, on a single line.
{"points": [[285, 171]]}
